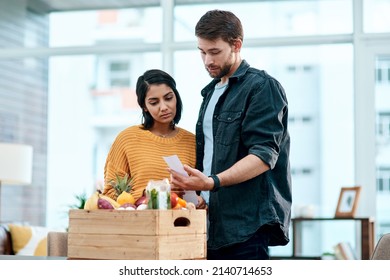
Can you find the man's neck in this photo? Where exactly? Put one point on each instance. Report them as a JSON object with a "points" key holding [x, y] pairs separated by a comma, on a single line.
{"points": [[235, 66]]}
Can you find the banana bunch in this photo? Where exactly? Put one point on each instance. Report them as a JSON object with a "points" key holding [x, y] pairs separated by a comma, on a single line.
{"points": [[99, 201]]}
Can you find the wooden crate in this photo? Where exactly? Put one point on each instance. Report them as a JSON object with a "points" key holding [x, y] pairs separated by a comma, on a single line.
{"points": [[138, 234]]}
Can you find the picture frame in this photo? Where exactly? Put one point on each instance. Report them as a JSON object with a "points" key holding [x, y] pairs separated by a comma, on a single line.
{"points": [[348, 202]]}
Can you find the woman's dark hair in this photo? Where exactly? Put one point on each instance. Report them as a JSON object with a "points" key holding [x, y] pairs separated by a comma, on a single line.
{"points": [[156, 77], [217, 24]]}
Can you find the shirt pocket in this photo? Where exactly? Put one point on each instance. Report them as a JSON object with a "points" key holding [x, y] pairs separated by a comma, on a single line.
{"points": [[228, 128]]}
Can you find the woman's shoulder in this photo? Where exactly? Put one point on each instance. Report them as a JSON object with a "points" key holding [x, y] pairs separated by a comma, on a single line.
{"points": [[133, 128], [186, 135], [130, 132], [186, 132]]}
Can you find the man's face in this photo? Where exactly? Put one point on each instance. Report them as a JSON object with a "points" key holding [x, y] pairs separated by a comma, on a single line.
{"points": [[218, 57]]}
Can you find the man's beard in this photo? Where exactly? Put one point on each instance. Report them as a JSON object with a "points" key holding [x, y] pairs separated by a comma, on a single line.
{"points": [[223, 72], [225, 69]]}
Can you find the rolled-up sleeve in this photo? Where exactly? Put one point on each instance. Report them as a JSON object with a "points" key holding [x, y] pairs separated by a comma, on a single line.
{"points": [[263, 126]]}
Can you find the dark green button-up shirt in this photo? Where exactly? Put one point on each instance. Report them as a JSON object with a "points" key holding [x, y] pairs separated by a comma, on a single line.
{"points": [[249, 118]]}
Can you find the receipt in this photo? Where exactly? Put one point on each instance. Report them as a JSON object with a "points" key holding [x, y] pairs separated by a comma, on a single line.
{"points": [[175, 164]]}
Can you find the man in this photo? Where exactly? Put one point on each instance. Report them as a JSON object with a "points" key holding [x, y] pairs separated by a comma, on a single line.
{"points": [[242, 144]]}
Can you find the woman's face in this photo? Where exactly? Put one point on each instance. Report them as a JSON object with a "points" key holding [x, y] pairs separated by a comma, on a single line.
{"points": [[160, 102]]}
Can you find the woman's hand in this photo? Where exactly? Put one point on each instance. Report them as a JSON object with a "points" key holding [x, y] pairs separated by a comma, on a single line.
{"points": [[201, 203]]}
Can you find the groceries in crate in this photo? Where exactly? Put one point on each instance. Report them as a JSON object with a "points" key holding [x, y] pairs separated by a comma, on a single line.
{"points": [[99, 201], [143, 200], [177, 201], [122, 186], [160, 196], [157, 195], [127, 206]]}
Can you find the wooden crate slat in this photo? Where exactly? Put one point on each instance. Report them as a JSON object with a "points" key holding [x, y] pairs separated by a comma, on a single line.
{"points": [[109, 253], [182, 248]]}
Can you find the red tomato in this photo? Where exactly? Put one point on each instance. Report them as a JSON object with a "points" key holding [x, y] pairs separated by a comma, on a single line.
{"points": [[174, 198]]}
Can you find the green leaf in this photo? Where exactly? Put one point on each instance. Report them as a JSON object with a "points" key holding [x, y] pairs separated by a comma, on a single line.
{"points": [[81, 199]]}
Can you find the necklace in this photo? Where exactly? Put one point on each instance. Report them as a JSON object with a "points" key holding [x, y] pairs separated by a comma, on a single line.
{"points": [[167, 134]]}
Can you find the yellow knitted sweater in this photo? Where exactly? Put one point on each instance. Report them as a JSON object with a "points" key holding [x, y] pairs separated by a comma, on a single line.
{"points": [[139, 153]]}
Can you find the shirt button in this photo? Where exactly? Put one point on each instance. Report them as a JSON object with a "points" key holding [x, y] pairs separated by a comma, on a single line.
{"points": [[229, 119]]}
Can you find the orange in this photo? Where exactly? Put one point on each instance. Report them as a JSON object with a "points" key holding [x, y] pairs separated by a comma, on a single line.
{"points": [[177, 206], [181, 202]]}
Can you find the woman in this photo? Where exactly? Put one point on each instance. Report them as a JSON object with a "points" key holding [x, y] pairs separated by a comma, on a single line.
{"points": [[139, 150]]}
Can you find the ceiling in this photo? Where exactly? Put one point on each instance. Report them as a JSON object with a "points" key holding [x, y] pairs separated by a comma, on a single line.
{"points": [[48, 6]]}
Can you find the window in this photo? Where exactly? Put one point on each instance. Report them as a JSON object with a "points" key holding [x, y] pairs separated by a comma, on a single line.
{"points": [[301, 171], [375, 20], [119, 74], [287, 18], [88, 28], [299, 120], [383, 178], [383, 72], [383, 123]]}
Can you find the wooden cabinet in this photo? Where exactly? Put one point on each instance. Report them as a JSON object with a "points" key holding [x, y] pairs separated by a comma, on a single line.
{"points": [[364, 232]]}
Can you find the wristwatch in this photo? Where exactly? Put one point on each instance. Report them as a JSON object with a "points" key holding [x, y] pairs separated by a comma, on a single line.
{"points": [[217, 183]]}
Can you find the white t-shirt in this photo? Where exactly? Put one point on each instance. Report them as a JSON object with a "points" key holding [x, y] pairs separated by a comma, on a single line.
{"points": [[208, 133]]}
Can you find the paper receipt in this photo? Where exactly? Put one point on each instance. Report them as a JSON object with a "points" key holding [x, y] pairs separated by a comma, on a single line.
{"points": [[175, 164]]}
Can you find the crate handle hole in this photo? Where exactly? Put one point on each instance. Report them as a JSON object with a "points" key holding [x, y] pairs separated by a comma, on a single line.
{"points": [[181, 222]]}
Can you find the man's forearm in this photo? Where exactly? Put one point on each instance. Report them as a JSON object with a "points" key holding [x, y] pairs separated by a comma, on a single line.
{"points": [[243, 170]]}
